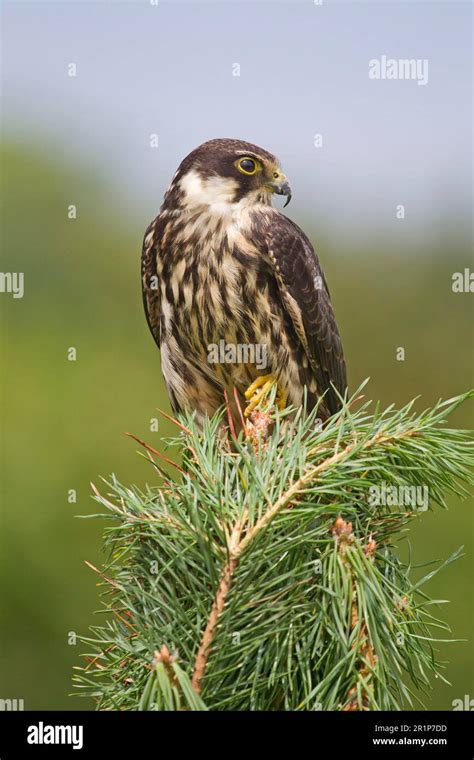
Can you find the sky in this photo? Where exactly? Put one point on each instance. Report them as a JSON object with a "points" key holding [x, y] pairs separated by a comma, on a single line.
{"points": [[169, 68]]}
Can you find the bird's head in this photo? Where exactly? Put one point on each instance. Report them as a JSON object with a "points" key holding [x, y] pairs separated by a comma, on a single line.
{"points": [[224, 172]]}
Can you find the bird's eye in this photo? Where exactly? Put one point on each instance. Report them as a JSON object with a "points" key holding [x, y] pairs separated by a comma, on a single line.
{"points": [[247, 166]]}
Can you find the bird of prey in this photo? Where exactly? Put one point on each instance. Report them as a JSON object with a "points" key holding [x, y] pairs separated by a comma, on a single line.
{"points": [[233, 291]]}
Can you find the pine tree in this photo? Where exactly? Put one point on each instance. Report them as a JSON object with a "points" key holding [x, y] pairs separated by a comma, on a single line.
{"points": [[266, 574]]}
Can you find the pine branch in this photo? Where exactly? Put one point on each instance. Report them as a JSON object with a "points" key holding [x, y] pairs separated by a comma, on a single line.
{"points": [[217, 608], [269, 568]]}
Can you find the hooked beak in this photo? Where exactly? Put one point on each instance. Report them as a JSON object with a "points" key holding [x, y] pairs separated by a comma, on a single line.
{"points": [[281, 187]]}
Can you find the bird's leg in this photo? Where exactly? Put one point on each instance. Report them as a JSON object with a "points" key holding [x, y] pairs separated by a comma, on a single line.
{"points": [[260, 389]]}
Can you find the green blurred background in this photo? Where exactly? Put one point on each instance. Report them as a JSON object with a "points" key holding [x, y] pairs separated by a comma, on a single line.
{"points": [[63, 421]]}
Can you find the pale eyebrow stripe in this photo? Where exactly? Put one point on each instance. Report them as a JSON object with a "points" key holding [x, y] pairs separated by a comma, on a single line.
{"points": [[248, 153]]}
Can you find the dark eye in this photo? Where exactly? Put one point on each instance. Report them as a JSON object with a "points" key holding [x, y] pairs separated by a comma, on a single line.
{"points": [[247, 165]]}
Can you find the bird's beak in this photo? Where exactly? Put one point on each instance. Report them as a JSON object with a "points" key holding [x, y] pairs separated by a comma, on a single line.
{"points": [[281, 186]]}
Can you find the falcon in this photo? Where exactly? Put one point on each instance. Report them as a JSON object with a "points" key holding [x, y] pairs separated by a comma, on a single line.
{"points": [[234, 294]]}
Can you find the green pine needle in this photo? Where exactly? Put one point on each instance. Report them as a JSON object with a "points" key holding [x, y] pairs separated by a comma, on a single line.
{"points": [[266, 577]]}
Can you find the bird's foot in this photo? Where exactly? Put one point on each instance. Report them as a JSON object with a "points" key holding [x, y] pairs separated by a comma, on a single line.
{"points": [[260, 389]]}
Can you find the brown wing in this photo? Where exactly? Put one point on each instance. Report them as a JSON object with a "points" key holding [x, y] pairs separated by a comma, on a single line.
{"points": [[306, 297], [150, 284]]}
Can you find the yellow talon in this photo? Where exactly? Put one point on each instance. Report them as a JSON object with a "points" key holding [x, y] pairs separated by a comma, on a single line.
{"points": [[281, 399], [257, 383], [259, 389], [258, 397]]}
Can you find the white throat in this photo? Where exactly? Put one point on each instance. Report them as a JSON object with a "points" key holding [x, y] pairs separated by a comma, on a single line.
{"points": [[217, 193]]}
